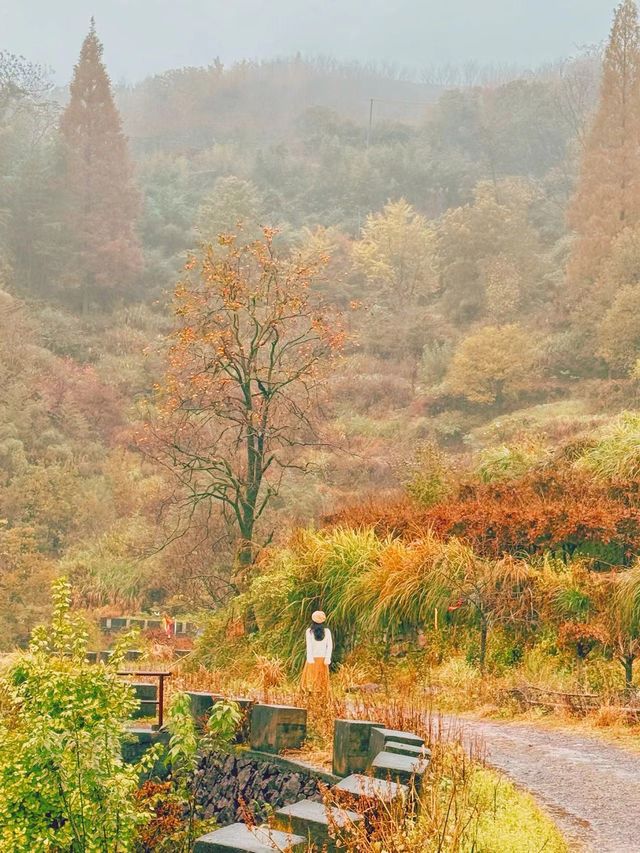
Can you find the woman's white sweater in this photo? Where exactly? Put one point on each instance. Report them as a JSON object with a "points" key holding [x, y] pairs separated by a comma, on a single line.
{"points": [[319, 648]]}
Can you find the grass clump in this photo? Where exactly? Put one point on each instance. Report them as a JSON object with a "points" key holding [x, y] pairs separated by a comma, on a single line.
{"points": [[507, 462], [463, 807], [509, 820], [616, 456]]}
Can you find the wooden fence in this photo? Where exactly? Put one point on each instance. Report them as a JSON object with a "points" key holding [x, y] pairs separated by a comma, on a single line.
{"points": [[626, 704]]}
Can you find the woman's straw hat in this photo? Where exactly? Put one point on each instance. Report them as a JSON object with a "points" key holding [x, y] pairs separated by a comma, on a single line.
{"points": [[319, 616]]}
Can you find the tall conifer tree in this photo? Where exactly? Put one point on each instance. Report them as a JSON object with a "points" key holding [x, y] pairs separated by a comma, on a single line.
{"points": [[103, 200], [607, 197]]}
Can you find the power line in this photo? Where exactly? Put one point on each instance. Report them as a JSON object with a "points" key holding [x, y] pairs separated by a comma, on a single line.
{"points": [[390, 101], [406, 103]]}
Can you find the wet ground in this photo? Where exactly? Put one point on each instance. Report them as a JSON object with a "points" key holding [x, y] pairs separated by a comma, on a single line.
{"points": [[590, 788]]}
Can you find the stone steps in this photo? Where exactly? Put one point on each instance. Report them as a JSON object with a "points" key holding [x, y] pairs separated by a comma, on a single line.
{"points": [[397, 762], [405, 769], [408, 749], [361, 788], [351, 746], [238, 838], [381, 736], [316, 822]]}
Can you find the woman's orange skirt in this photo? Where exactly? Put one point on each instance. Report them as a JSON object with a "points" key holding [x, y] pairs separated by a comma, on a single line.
{"points": [[315, 677]]}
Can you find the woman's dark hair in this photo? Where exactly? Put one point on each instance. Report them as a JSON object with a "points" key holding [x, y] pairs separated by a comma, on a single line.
{"points": [[318, 631]]}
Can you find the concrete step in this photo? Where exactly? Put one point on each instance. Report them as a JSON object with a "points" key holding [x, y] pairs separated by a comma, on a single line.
{"points": [[408, 749], [351, 746], [316, 822], [381, 736], [406, 769], [361, 787], [238, 838], [275, 728]]}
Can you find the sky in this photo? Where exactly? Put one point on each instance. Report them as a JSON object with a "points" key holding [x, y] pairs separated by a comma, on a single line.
{"points": [[142, 37]]}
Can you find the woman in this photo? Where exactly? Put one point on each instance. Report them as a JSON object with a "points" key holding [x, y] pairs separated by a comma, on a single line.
{"points": [[315, 675]]}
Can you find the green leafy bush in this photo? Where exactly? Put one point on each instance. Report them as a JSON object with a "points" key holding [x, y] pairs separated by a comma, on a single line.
{"points": [[185, 748], [431, 477], [63, 782]]}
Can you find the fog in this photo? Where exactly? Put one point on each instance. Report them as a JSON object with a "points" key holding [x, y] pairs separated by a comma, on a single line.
{"points": [[149, 36]]}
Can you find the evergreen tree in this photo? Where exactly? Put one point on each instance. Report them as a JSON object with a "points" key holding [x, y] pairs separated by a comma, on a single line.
{"points": [[103, 200], [607, 198]]}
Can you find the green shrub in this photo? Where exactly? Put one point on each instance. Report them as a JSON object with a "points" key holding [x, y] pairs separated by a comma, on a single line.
{"points": [[185, 748], [509, 462], [63, 782], [316, 571], [431, 476]]}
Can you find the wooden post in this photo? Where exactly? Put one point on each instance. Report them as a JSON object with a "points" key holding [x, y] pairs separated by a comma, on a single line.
{"points": [[161, 677], [161, 701]]}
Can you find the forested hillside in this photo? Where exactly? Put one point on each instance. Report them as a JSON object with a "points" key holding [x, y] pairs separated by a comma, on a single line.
{"points": [[320, 419], [439, 229]]}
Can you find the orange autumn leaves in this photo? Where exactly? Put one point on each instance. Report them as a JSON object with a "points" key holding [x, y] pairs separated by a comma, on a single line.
{"points": [[552, 510], [245, 373]]}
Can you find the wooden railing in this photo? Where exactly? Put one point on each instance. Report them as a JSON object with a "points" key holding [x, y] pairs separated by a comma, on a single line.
{"points": [[627, 704], [159, 702]]}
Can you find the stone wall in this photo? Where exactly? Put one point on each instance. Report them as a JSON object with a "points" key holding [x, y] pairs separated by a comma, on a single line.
{"points": [[227, 781]]}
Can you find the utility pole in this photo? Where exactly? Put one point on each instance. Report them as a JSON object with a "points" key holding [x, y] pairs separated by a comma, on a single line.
{"points": [[370, 122]]}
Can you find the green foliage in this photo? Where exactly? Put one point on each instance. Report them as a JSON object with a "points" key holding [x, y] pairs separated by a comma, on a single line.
{"points": [[185, 750], [63, 782], [112, 568], [435, 361], [509, 820], [183, 744], [431, 477], [508, 462], [616, 456], [233, 203], [573, 603], [367, 584]]}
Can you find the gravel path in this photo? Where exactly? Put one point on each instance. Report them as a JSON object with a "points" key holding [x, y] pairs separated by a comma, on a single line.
{"points": [[591, 789]]}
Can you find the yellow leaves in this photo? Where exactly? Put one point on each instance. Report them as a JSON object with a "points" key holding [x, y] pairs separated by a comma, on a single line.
{"points": [[397, 251], [248, 343], [187, 334], [492, 363]]}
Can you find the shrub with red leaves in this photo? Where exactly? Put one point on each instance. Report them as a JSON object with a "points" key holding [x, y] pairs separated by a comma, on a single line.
{"points": [[159, 799], [556, 510]]}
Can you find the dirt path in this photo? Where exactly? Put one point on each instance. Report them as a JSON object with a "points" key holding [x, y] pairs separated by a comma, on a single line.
{"points": [[591, 789]]}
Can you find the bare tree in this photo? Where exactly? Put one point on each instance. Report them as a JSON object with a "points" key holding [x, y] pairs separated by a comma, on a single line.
{"points": [[240, 396]]}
